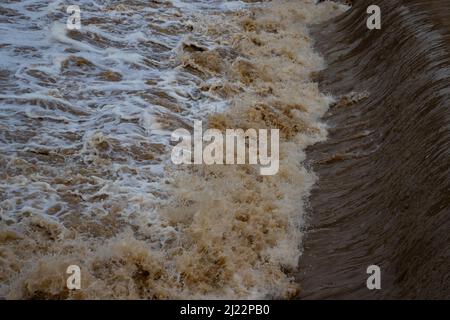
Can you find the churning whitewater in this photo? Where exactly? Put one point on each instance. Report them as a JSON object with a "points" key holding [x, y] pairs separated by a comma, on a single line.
{"points": [[86, 118]]}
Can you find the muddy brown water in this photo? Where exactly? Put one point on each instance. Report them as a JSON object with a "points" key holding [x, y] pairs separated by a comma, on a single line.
{"points": [[383, 193], [86, 118]]}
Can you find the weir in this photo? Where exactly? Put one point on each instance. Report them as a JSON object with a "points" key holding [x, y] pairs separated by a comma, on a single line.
{"points": [[382, 195]]}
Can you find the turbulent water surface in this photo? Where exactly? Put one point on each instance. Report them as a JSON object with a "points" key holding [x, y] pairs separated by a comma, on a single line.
{"points": [[86, 179], [85, 123]]}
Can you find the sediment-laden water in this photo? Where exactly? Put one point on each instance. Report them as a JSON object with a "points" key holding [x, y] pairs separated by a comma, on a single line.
{"points": [[383, 194], [86, 178], [85, 123]]}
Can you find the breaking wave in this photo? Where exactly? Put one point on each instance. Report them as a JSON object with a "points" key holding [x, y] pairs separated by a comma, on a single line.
{"points": [[86, 118]]}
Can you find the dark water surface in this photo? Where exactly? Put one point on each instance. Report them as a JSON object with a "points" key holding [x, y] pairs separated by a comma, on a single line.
{"points": [[384, 181]]}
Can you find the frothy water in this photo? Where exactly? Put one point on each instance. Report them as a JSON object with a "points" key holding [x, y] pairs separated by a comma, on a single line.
{"points": [[86, 118]]}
